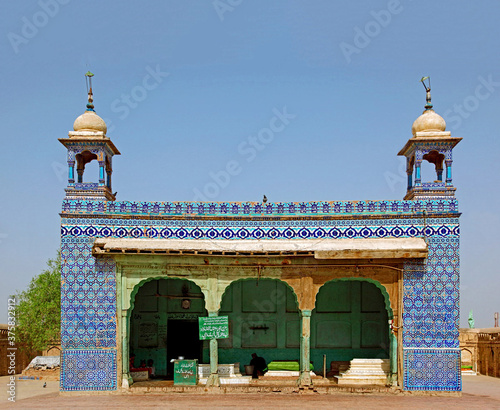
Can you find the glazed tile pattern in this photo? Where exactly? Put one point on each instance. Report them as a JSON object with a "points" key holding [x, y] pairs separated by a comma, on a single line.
{"points": [[432, 369], [268, 229], [431, 318], [258, 208], [88, 297], [431, 297], [88, 370], [88, 290]]}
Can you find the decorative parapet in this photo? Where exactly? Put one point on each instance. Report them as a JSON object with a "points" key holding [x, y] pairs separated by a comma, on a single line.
{"points": [[489, 336], [433, 185], [228, 209], [86, 185]]}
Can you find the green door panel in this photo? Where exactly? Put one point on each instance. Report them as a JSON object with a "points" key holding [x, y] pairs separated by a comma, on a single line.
{"points": [[258, 296], [293, 332], [371, 334], [333, 333], [338, 298]]}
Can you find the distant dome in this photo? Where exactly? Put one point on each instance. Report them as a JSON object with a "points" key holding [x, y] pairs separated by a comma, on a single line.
{"points": [[90, 121], [428, 121]]}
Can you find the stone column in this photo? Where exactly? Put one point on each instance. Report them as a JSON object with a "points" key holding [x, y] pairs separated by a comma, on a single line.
{"points": [[448, 172], [418, 178], [213, 379], [305, 349], [439, 172], [126, 378], [409, 173], [101, 173], [79, 172], [410, 180], [71, 173], [393, 354], [123, 325]]}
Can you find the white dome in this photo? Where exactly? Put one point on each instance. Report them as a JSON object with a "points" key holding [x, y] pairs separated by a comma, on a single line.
{"points": [[90, 121], [428, 121]]}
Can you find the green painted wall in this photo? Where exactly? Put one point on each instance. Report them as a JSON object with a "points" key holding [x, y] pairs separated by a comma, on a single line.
{"points": [[156, 303], [349, 321], [263, 319]]}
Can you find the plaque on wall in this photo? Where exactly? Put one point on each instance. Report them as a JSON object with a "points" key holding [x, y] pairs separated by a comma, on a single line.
{"points": [[213, 327]]}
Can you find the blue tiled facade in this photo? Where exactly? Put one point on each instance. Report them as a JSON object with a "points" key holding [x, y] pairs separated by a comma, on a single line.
{"points": [[431, 287]]}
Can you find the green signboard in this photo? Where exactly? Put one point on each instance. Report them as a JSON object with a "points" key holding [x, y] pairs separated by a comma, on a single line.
{"points": [[185, 372], [213, 327]]}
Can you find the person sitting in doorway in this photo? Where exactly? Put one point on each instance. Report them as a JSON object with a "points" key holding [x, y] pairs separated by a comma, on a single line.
{"points": [[131, 362], [259, 366], [151, 368]]}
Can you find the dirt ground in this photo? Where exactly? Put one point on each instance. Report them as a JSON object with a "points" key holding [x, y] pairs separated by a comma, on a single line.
{"points": [[478, 392]]}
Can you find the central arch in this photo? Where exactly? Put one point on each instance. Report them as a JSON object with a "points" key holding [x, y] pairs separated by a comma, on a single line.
{"points": [[163, 323], [263, 319], [350, 320]]}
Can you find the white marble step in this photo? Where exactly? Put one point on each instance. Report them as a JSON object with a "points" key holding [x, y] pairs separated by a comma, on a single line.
{"points": [[229, 380], [366, 371]]}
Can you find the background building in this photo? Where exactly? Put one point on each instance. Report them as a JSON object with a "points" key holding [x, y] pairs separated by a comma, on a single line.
{"points": [[480, 350]]}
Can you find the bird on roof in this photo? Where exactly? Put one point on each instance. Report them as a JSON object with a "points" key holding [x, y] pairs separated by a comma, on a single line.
{"points": [[264, 199]]}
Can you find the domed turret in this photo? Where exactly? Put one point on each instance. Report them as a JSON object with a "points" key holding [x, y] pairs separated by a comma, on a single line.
{"points": [[430, 142], [88, 142]]}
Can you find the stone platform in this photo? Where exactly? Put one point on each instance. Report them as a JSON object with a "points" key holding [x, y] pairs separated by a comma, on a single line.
{"points": [[228, 374], [365, 371], [283, 373], [284, 386]]}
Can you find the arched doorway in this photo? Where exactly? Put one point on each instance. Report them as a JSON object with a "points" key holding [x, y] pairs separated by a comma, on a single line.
{"points": [[164, 323], [350, 320], [263, 319], [466, 359]]}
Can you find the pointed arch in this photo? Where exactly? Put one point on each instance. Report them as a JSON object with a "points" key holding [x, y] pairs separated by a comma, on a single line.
{"points": [[137, 286], [254, 279], [350, 326], [383, 290], [264, 318]]}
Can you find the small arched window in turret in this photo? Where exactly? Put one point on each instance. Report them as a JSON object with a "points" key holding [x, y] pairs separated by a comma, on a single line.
{"points": [[82, 159], [437, 159]]}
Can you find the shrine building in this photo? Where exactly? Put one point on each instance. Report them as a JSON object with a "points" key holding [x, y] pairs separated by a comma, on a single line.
{"points": [[313, 282]]}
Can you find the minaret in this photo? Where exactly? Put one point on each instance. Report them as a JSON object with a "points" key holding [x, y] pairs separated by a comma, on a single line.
{"points": [[86, 143], [430, 142]]}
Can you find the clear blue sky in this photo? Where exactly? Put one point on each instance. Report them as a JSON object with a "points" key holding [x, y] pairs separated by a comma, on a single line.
{"points": [[349, 72]]}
